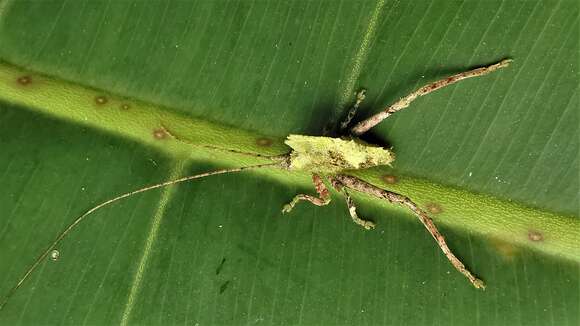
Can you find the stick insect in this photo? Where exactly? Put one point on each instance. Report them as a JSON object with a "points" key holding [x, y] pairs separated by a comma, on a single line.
{"points": [[326, 158]]}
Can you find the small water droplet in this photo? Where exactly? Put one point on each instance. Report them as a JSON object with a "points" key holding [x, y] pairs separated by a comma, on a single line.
{"points": [[54, 255]]}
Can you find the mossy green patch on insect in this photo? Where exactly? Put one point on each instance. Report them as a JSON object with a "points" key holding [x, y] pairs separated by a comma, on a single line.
{"points": [[328, 155]]}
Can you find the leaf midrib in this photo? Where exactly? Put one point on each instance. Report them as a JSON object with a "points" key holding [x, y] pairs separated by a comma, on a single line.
{"points": [[143, 121]]}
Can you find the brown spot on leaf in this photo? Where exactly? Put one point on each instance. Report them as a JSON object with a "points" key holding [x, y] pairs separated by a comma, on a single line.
{"points": [[506, 250], [434, 208], [24, 80], [264, 142], [390, 179], [535, 236], [160, 134], [101, 100], [125, 106]]}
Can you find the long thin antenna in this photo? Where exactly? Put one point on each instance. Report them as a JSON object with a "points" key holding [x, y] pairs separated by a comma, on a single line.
{"points": [[79, 219], [183, 140]]}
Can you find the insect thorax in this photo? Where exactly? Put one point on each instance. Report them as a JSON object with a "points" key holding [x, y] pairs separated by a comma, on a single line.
{"points": [[327, 155]]}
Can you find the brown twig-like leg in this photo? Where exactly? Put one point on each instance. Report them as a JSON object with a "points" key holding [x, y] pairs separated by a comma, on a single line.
{"points": [[320, 189], [360, 97], [404, 102], [368, 225], [359, 185]]}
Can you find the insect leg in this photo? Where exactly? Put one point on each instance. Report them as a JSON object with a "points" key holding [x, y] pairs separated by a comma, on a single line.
{"points": [[368, 225], [404, 102], [360, 97], [321, 189], [359, 185]]}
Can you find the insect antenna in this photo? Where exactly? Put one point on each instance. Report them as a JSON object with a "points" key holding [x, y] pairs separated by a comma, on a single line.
{"points": [[79, 219], [183, 140], [360, 97]]}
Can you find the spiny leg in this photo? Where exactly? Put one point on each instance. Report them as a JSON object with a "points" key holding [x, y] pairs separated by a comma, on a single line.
{"points": [[320, 189], [368, 225], [430, 226], [404, 102], [360, 97], [359, 185]]}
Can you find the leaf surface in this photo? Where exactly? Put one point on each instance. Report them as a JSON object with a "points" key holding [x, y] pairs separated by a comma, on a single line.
{"points": [[497, 155]]}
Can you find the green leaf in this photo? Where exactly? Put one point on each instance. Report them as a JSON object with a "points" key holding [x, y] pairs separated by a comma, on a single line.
{"points": [[494, 158]]}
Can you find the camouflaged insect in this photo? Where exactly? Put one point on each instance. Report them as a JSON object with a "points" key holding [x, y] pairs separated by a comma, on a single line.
{"points": [[327, 157]]}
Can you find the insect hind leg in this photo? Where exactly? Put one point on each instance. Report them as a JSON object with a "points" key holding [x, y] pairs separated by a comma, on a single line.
{"points": [[321, 189], [395, 198], [430, 226]]}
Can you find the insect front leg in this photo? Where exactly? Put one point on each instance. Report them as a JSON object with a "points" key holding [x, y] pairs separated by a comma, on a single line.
{"points": [[360, 97], [321, 189], [404, 102], [368, 225]]}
